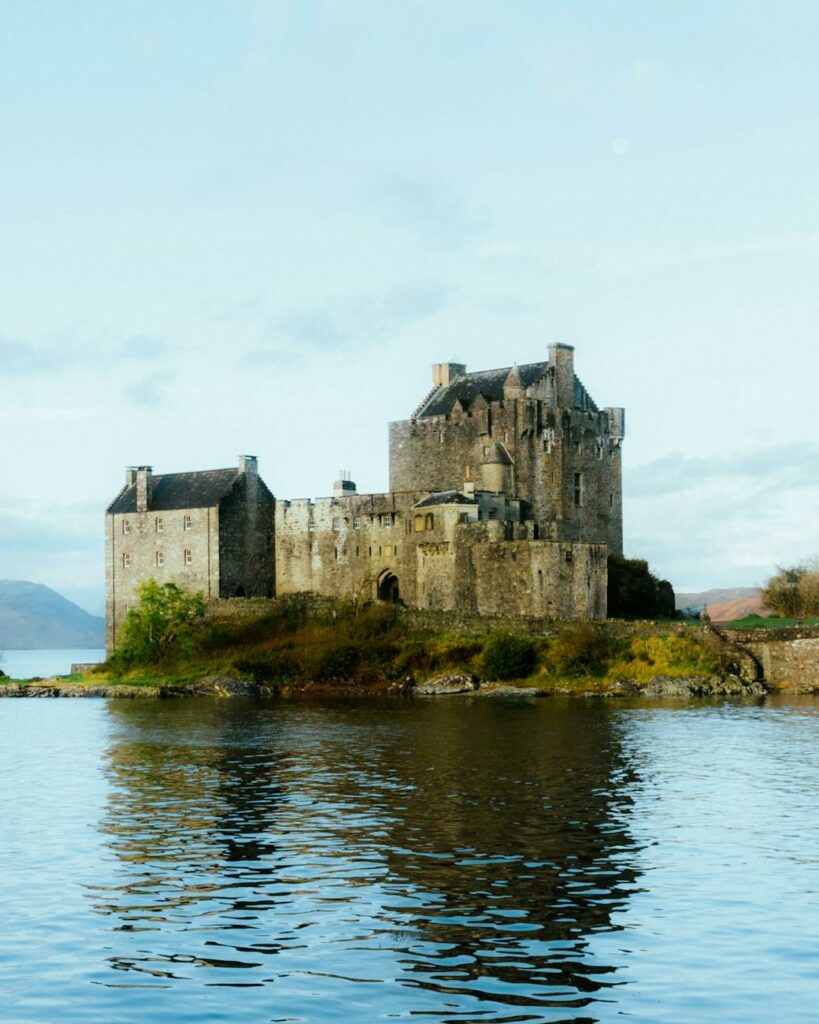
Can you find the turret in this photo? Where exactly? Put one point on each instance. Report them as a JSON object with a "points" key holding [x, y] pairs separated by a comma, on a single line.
{"points": [[495, 467]]}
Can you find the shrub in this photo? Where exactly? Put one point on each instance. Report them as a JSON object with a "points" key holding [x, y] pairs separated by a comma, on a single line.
{"points": [[580, 649], [271, 667], [339, 662], [167, 621], [507, 656], [793, 592]]}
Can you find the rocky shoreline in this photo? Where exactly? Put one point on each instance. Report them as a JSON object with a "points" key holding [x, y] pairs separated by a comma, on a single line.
{"points": [[440, 686]]}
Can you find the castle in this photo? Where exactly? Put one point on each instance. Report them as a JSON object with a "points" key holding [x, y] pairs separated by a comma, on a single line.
{"points": [[505, 499]]}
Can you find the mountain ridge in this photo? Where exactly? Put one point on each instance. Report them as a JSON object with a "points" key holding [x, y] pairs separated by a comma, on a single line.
{"points": [[33, 616]]}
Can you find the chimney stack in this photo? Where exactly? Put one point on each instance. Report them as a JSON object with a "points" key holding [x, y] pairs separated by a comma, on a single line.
{"points": [[561, 360], [144, 484], [249, 464], [344, 486], [445, 373]]}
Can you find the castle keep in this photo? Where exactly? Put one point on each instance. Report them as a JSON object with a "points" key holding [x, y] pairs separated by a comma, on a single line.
{"points": [[505, 499]]}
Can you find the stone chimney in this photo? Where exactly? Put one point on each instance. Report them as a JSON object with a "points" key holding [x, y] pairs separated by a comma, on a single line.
{"points": [[130, 476], [344, 486], [144, 485], [445, 373], [561, 360], [617, 423], [249, 464]]}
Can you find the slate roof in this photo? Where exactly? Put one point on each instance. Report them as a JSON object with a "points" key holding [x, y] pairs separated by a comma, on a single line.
{"points": [[489, 383], [169, 491], [445, 498]]}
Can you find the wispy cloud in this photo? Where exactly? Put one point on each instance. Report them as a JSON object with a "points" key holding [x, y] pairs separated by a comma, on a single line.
{"points": [[793, 466], [433, 209], [22, 358], [349, 324], [148, 347], [149, 392]]}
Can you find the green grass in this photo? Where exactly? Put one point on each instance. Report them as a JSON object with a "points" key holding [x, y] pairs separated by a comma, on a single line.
{"points": [[769, 622], [374, 647]]}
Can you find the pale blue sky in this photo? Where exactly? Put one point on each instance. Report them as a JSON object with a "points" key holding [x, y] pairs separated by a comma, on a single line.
{"points": [[252, 226]]}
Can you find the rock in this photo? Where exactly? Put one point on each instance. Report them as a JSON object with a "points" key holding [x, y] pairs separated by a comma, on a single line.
{"points": [[442, 686], [508, 690], [703, 686]]}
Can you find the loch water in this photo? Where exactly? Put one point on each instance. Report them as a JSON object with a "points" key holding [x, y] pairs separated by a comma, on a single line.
{"points": [[450, 860]]}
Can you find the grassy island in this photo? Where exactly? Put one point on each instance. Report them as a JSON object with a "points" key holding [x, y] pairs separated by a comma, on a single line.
{"points": [[305, 644]]}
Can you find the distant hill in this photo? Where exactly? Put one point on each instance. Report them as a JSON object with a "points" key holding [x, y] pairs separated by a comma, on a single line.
{"points": [[725, 604], [34, 616]]}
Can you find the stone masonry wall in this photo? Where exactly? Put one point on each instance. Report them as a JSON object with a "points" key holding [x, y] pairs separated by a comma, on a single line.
{"points": [[547, 447], [155, 544]]}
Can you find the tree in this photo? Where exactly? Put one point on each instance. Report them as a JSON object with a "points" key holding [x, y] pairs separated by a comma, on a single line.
{"points": [[167, 620], [636, 593], [793, 592]]}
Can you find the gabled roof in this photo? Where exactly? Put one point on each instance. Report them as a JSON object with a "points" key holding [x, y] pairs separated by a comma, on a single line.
{"points": [[204, 489], [489, 383], [445, 498]]}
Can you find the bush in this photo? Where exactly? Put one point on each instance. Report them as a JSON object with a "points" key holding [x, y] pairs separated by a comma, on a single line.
{"points": [[167, 621], [793, 593], [507, 656], [581, 649], [271, 667], [339, 662]]}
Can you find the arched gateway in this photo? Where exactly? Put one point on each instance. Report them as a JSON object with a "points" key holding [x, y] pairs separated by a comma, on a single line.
{"points": [[388, 587]]}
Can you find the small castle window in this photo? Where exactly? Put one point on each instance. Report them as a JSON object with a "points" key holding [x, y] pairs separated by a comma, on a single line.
{"points": [[468, 473], [159, 524], [493, 513], [160, 558], [188, 556], [569, 556], [429, 521], [126, 560], [578, 490], [357, 523], [419, 524], [463, 517], [611, 501], [311, 524], [187, 522], [336, 525], [387, 522], [126, 526]]}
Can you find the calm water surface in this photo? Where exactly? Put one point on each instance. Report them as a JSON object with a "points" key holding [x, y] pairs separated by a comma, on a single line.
{"points": [[25, 664], [450, 860]]}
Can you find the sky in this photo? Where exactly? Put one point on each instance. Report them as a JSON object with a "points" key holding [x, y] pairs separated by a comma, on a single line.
{"points": [[251, 226]]}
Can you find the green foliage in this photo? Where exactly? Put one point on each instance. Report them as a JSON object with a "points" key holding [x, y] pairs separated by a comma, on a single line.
{"points": [[793, 592], [167, 621], [580, 649], [507, 656], [277, 666], [771, 622], [636, 593], [339, 662]]}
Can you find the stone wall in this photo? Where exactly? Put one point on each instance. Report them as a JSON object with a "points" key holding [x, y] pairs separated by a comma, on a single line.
{"points": [[246, 549], [548, 449], [155, 544], [789, 657]]}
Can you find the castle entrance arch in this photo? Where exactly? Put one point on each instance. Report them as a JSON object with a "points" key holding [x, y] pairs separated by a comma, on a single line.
{"points": [[388, 587]]}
